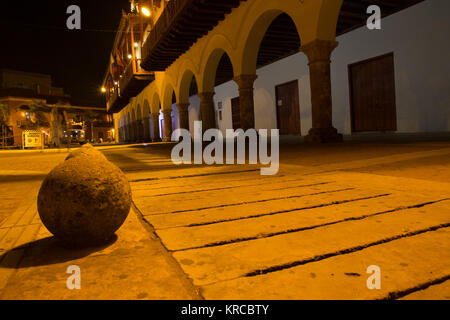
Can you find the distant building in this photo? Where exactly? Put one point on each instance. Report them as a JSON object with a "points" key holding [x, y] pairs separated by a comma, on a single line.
{"points": [[28, 101]]}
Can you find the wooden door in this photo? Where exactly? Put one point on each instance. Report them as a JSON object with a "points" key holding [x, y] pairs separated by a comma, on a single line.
{"points": [[372, 94], [236, 113], [288, 109]]}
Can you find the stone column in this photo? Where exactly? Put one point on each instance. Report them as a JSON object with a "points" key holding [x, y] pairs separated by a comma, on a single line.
{"points": [[155, 121], [167, 124], [319, 56], [183, 113], [207, 110], [137, 130], [141, 130], [146, 128], [246, 101], [132, 131], [127, 133], [120, 133]]}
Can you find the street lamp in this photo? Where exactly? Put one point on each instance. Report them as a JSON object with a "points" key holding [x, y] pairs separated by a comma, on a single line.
{"points": [[145, 12]]}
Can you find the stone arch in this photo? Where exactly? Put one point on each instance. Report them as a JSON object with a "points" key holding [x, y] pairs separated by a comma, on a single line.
{"points": [[216, 48], [128, 126], [139, 124], [168, 93], [120, 128], [155, 109], [133, 125], [147, 126], [254, 38], [184, 93], [185, 84], [155, 105], [313, 20]]}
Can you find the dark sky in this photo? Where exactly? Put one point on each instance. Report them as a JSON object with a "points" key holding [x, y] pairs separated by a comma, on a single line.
{"points": [[34, 38]]}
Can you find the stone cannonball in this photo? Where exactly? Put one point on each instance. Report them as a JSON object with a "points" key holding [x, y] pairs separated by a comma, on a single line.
{"points": [[84, 200], [88, 151]]}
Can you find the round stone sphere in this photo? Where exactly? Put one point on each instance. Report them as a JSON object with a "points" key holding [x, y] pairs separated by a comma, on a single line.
{"points": [[84, 200], [86, 150]]}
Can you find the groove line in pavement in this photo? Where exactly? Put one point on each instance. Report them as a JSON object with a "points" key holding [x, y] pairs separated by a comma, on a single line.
{"points": [[273, 234], [234, 187], [157, 185], [248, 202], [343, 251], [194, 175], [281, 211], [400, 294]]}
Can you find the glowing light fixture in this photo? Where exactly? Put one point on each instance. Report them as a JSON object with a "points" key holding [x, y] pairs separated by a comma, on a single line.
{"points": [[103, 89], [145, 12], [130, 56], [136, 44]]}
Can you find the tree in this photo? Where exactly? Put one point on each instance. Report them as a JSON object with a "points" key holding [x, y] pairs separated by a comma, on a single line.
{"points": [[4, 117], [38, 111]]}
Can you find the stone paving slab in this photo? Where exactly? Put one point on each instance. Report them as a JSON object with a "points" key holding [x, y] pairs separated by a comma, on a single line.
{"points": [[218, 263], [247, 178], [405, 263], [341, 209], [434, 292], [258, 203], [196, 236]]}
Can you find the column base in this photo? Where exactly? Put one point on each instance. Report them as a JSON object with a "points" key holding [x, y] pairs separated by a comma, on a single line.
{"points": [[323, 135]]}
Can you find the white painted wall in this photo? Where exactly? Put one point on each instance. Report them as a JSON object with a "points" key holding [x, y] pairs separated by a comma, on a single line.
{"points": [[418, 36]]}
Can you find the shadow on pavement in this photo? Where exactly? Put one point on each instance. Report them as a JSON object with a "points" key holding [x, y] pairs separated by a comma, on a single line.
{"points": [[49, 251], [22, 177]]}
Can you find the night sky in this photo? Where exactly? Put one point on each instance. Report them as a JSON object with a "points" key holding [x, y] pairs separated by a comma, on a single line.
{"points": [[34, 38]]}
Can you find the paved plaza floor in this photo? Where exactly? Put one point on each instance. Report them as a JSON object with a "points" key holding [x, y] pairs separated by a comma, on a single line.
{"points": [[227, 232]]}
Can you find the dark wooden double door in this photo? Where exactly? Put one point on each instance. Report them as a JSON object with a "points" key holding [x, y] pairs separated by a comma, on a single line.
{"points": [[288, 112], [372, 94], [288, 108]]}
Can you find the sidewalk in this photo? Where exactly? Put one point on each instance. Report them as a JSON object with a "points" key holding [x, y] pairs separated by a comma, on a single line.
{"points": [[136, 266]]}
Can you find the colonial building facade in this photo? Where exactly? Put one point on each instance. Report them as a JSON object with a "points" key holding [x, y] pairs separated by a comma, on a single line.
{"points": [[307, 67], [28, 101]]}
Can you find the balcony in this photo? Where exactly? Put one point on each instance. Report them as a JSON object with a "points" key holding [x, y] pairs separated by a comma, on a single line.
{"points": [[115, 102], [125, 77], [134, 79], [179, 27], [131, 82]]}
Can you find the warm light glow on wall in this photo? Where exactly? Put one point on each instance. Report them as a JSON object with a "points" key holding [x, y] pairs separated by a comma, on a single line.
{"points": [[145, 12]]}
